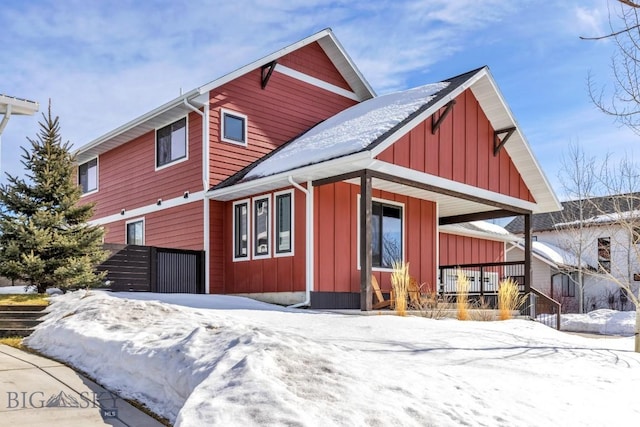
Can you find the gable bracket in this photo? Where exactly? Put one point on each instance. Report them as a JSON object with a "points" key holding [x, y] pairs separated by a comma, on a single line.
{"points": [[497, 143], [435, 124], [265, 73]]}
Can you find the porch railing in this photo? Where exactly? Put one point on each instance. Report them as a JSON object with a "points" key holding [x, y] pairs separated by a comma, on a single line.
{"points": [[484, 280]]}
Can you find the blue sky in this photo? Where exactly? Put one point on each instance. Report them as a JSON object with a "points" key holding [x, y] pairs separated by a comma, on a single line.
{"points": [[105, 63]]}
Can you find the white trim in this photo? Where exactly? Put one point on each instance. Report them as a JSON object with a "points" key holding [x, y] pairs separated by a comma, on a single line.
{"points": [[126, 227], [319, 170], [97, 176], [292, 233], [245, 120], [459, 187], [254, 228], [316, 82], [404, 227], [186, 145], [144, 210], [233, 230]]}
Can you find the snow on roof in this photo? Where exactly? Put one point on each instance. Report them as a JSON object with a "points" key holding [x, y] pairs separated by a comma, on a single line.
{"points": [[349, 131], [490, 227], [602, 219], [561, 257]]}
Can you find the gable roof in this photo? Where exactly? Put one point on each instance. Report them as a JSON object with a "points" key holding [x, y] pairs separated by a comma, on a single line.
{"points": [[595, 210], [351, 140], [177, 107]]}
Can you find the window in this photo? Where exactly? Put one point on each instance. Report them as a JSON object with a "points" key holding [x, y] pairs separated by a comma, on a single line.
{"points": [[261, 227], [283, 226], [386, 224], [171, 143], [88, 176], [135, 232], [241, 230], [568, 286], [233, 127], [604, 253]]}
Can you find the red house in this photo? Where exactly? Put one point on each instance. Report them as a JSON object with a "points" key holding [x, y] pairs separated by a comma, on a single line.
{"points": [[299, 183]]}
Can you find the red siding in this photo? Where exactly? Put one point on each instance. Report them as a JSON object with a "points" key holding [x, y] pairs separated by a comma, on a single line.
{"points": [[217, 237], [179, 227], [312, 60], [128, 179], [277, 114], [457, 250], [461, 150], [274, 274], [336, 225]]}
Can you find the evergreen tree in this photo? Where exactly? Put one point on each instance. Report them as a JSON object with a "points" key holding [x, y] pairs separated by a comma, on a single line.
{"points": [[44, 236]]}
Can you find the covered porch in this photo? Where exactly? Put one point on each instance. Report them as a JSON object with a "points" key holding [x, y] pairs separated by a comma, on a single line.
{"points": [[454, 205]]}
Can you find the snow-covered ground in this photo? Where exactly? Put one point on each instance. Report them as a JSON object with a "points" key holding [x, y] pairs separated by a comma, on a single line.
{"points": [[220, 360]]}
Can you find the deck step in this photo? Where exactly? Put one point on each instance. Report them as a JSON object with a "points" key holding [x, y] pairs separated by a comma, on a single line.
{"points": [[22, 307], [19, 320]]}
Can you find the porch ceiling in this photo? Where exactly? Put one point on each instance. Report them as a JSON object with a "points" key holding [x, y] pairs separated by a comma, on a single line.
{"points": [[447, 205]]}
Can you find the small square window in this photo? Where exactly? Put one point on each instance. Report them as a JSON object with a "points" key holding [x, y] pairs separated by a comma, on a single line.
{"points": [[88, 176], [171, 143], [135, 232], [233, 127]]}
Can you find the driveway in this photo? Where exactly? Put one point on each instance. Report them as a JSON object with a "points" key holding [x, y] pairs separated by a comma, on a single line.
{"points": [[35, 391]]}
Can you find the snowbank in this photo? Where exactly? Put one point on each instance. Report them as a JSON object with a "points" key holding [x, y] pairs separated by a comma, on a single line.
{"points": [[606, 322], [238, 362]]}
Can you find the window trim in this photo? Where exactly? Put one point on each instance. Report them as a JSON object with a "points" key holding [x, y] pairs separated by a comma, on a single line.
{"points": [[404, 231], [97, 159], [126, 230], [223, 112], [254, 228], [291, 251], [186, 144], [233, 230], [606, 267]]}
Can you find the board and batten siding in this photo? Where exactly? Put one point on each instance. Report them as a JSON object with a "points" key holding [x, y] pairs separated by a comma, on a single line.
{"points": [[127, 178], [180, 227], [286, 108], [271, 274], [461, 150], [336, 238], [458, 250]]}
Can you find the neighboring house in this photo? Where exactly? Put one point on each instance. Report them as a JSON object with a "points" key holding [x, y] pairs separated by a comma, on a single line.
{"points": [[307, 183], [589, 233], [10, 105]]}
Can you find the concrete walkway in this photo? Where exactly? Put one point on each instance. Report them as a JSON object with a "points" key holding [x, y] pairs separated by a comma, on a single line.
{"points": [[35, 391]]}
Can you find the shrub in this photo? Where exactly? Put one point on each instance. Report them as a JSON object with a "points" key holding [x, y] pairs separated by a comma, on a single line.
{"points": [[400, 280], [462, 297], [509, 298]]}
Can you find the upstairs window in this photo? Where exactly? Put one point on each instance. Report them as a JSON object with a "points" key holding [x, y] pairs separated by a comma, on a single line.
{"points": [[88, 176], [604, 253], [171, 143], [233, 127], [135, 232]]}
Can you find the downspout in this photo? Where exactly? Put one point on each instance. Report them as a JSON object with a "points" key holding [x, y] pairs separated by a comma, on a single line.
{"points": [[5, 119], [3, 123], [308, 192], [205, 186]]}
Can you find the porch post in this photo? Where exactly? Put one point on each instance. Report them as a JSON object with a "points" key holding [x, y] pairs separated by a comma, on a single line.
{"points": [[527, 253], [365, 241]]}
